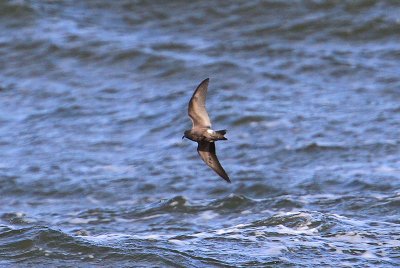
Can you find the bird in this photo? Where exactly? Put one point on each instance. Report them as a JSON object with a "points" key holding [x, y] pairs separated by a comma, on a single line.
{"points": [[201, 131]]}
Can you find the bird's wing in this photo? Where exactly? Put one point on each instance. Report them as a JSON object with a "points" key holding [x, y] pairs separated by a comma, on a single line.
{"points": [[197, 106], [206, 151]]}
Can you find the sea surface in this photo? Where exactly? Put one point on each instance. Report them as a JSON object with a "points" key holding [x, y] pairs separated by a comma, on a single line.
{"points": [[93, 105]]}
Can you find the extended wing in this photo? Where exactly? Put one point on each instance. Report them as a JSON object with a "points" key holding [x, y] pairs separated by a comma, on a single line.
{"points": [[197, 106], [206, 151]]}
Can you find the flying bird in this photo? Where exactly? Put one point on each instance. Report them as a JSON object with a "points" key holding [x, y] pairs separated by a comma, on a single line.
{"points": [[201, 131]]}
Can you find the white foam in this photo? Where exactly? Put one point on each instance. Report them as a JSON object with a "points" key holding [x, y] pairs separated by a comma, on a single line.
{"points": [[82, 220], [118, 219], [230, 229], [281, 229], [274, 250], [151, 216], [119, 236], [387, 169], [245, 212], [201, 235], [105, 237], [237, 236], [178, 242], [149, 237], [224, 231], [208, 215], [369, 255]]}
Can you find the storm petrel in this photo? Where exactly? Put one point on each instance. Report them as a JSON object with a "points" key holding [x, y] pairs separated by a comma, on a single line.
{"points": [[201, 131]]}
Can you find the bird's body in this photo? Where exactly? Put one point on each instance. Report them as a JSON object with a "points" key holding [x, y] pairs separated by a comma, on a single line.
{"points": [[201, 131], [205, 134]]}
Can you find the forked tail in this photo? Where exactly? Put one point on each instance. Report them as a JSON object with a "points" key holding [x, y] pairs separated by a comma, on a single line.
{"points": [[220, 134]]}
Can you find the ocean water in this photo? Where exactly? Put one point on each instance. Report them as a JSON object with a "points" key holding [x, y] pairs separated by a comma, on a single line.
{"points": [[93, 105]]}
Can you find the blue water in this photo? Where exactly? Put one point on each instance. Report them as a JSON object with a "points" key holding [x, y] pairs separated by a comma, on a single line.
{"points": [[93, 105]]}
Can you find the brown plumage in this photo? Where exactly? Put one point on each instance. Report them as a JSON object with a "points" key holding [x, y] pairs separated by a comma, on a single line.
{"points": [[201, 131]]}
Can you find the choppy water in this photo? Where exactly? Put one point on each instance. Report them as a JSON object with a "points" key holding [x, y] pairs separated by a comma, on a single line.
{"points": [[93, 171]]}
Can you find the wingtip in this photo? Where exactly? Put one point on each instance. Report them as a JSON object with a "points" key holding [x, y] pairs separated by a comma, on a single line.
{"points": [[203, 83], [227, 179]]}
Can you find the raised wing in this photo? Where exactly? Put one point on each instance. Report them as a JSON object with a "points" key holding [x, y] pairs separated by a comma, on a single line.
{"points": [[206, 151], [197, 106]]}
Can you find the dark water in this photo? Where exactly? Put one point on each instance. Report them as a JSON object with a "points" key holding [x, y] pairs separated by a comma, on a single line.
{"points": [[93, 171]]}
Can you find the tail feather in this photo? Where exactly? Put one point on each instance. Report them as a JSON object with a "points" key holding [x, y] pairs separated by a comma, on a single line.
{"points": [[221, 134]]}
